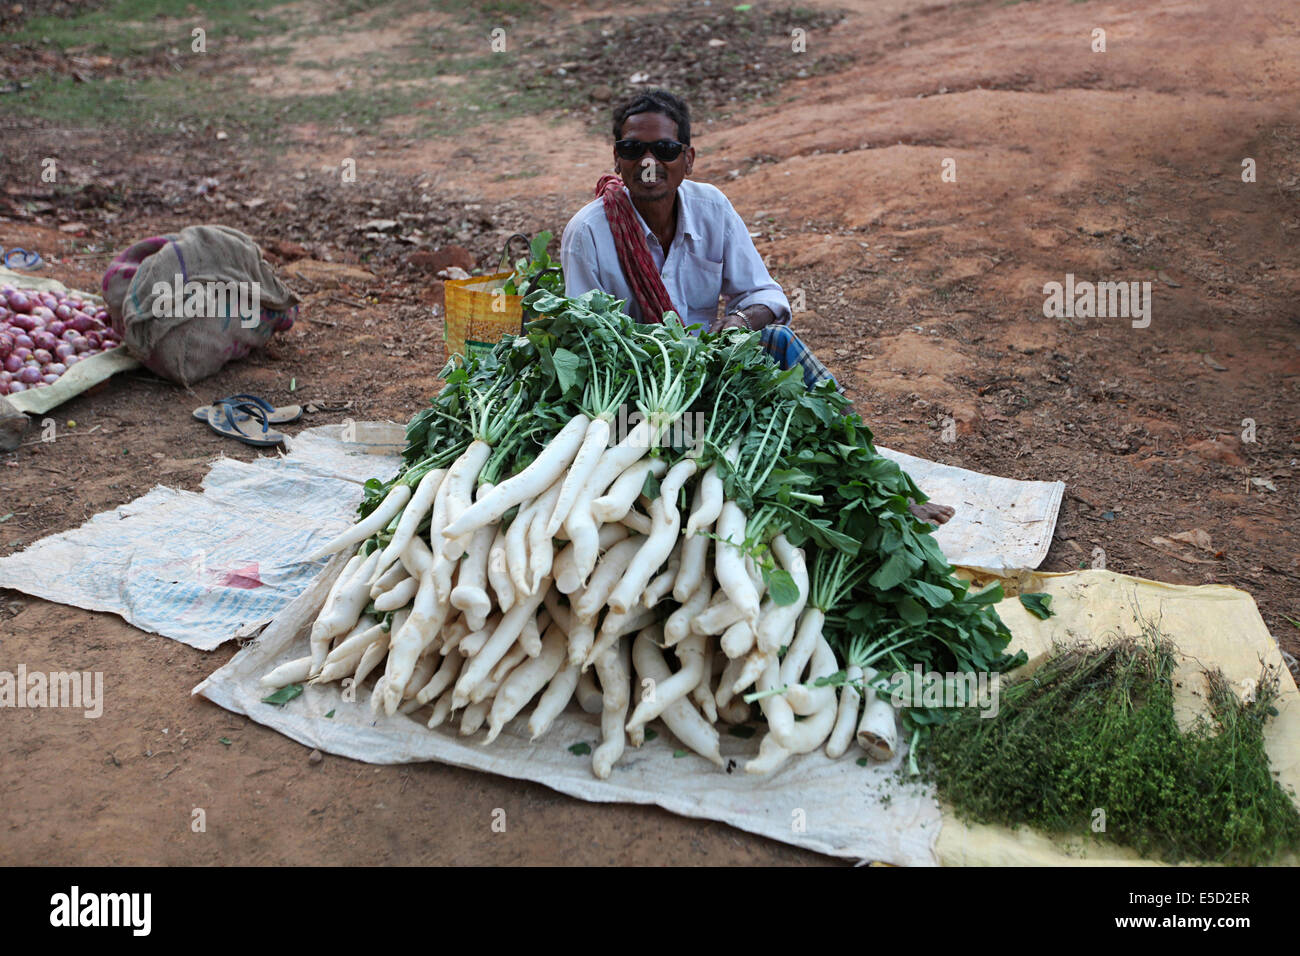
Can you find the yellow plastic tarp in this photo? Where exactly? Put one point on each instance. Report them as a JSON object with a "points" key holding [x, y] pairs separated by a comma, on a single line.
{"points": [[1211, 625]]}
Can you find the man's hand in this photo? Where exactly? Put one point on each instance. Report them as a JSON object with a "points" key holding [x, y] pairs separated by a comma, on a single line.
{"points": [[728, 321]]}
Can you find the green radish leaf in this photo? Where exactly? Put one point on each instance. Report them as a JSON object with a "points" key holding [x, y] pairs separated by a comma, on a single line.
{"points": [[861, 761], [579, 749], [743, 731], [650, 487], [568, 368], [898, 567], [330, 715], [650, 735], [1039, 605], [283, 695], [781, 586], [224, 740], [679, 753]]}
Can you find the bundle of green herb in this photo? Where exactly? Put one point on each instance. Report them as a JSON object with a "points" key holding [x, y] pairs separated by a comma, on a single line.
{"points": [[1089, 743]]}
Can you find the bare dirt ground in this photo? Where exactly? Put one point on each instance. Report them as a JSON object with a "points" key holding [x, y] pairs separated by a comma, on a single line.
{"points": [[923, 295]]}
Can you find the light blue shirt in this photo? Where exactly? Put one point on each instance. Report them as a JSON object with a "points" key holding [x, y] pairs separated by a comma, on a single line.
{"points": [[711, 256]]}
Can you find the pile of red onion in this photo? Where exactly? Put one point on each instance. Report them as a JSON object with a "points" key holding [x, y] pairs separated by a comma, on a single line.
{"points": [[43, 334]]}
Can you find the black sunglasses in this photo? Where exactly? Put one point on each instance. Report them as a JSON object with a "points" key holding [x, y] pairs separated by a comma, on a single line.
{"points": [[665, 150]]}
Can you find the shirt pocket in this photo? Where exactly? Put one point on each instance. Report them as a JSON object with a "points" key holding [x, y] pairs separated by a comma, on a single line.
{"points": [[701, 281]]}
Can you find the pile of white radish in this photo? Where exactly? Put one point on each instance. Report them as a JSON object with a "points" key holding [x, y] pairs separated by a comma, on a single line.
{"points": [[533, 553], [563, 603]]}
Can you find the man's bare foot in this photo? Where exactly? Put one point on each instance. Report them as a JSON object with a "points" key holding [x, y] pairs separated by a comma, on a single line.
{"points": [[932, 513]]}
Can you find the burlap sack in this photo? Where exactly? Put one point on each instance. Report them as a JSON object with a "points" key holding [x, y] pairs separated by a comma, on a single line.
{"points": [[186, 304]]}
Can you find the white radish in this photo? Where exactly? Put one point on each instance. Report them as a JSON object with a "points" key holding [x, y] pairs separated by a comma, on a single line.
{"points": [[718, 616], [342, 608], [412, 514], [637, 522], [472, 717], [564, 570], [390, 579], [290, 672], [554, 699], [725, 694], [460, 489], [878, 730], [615, 626], [417, 557], [622, 494], [775, 619], [373, 523], [582, 638], [694, 553], [470, 594], [681, 718], [517, 549], [526, 681], [541, 548], [846, 720], [505, 667], [371, 658], [479, 667], [678, 625], [667, 523], [607, 575], [708, 502], [357, 641], [801, 648], [530, 638], [441, 680], [589, 696], [584, 463], [527, 485], [702, 693], [668, 689], [345, 666], [498, 573], [426, 619], [560, 614], [425, 667], [441, 711], [473, 642], [737, 640], [750, 671], [612, 668], [398, 597], [662, 584], [729, 563], [807, 698]]}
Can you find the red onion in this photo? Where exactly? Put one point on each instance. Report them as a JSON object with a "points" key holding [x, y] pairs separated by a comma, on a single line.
{"points": [[63, 311], [70, 335], [55, 328], [45, 340], [101, 315], [95, 339], [43, 312], [55, 368], [49, 379], [19, 301], [24, 322], [29, 375], [63, 350], [72, 360], [43, 356], [21, 353], [81, 345], [6, 344], [24, 341], [15, 387], [81, 322]]}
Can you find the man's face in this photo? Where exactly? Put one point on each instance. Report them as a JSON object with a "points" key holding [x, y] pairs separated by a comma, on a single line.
{"points": [[649, 178]]}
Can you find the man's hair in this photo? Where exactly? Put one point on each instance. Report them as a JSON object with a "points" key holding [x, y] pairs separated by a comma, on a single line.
{"points": [[655, 101]]}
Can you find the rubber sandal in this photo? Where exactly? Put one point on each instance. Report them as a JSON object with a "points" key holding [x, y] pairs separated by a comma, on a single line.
{"points": [[276, 416], [224, 418]]}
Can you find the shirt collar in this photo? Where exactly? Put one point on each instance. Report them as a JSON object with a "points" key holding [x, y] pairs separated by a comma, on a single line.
{"points": [[686, 221]]}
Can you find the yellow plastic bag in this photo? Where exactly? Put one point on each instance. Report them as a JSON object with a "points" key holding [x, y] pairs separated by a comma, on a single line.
{"points": [[479, 313]]}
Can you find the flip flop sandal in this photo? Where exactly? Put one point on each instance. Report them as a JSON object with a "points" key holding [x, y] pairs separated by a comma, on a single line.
{"points": [[276, 416], [224, 418]]}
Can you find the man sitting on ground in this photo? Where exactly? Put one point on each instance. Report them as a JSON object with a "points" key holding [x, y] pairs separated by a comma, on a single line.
{"points": [[662, 242]]}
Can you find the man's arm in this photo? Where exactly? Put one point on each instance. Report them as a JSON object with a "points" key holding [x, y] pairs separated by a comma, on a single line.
{"points": [[746, 283], [578, 260]]}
